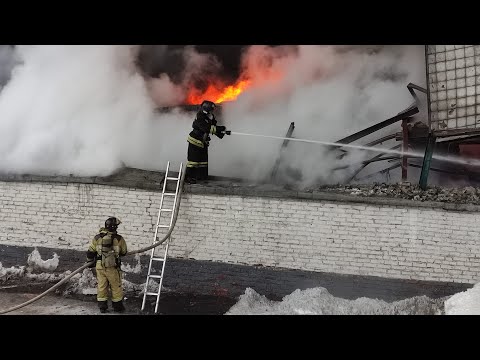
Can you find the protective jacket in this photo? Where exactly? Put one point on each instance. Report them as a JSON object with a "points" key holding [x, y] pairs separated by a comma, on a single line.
{"points": [[107, 247], [204, 125]]}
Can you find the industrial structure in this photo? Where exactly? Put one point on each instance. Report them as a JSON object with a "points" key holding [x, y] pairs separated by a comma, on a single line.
{"points": [[450, 126]]}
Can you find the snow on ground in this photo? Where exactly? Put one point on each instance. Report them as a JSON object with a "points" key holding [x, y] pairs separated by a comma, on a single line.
{"points": [[137, 269], [11, 272], [318, 301], [84, 283], [464, 303], [36, 263], [314, 301]]}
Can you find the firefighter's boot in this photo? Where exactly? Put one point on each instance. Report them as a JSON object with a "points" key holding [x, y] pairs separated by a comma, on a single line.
{"points": [[103, 306], [118, 306]]}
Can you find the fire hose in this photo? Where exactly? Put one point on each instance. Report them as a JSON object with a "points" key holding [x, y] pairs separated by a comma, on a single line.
{"points": [[86, 265]]}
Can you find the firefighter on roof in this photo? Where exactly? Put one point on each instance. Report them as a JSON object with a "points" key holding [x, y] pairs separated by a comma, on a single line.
{"points": [[204, 125], [106, 249]]}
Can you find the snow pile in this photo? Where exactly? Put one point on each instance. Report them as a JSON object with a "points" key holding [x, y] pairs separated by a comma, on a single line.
{"points": [[12, 272], [136, 269], [129, 286], [35, 262], [318, 301], [86, 284], [464, 303]]}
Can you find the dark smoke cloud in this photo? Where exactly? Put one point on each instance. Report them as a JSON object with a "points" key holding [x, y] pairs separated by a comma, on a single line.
{"points": [[225, 62], [172, 60]]}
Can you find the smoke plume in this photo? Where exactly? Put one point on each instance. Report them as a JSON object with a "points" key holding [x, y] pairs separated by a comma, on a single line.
{"points": [[7, 62], [90, 110]]}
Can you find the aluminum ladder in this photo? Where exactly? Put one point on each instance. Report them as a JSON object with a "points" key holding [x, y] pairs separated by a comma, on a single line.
{"points": [[152, 276]]}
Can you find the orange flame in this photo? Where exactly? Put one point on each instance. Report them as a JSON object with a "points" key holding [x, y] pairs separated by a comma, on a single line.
{"points": [[218, 95]]}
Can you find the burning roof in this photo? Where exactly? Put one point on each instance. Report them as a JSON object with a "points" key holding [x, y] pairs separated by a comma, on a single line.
{"points": [[217, 92]]}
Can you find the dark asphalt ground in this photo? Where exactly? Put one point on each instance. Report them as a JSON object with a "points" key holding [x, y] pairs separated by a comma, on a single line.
{"points": [[57, 304]]}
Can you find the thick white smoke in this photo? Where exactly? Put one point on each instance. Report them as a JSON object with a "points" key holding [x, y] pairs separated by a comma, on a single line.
{"points": [[87, 110], [82, 110], [329, 93]]}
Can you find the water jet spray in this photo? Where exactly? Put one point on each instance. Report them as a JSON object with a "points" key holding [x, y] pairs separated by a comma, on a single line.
{"points": [[451, 159]]}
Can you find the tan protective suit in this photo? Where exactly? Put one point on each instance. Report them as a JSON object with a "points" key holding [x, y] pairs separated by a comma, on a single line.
{"points": [[109, 246]]}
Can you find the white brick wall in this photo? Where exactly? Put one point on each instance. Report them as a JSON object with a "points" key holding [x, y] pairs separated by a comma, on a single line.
{"points": [[365, 239]]}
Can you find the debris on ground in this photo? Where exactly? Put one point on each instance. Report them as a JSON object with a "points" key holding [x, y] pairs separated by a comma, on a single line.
{"points": [[464, 195]]}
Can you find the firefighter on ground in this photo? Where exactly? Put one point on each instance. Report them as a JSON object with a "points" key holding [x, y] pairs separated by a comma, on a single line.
{"points": [[105, 250], [204, 125]]}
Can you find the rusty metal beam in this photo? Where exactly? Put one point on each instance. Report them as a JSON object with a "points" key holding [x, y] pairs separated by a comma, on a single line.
{"points": [[453, 172], [467, 139], [404, 114], [284, 145], [407, 113], [411, 87], [381, 140], [382, 171], [456, 132], [368, 162]]}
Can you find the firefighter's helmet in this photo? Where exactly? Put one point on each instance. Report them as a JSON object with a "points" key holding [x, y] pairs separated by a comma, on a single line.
{"points": [[112, 223], [207, 106]]}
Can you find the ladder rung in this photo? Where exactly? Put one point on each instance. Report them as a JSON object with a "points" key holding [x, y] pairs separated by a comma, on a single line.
{"points": [[170, 194], [151, 293], [155, 276], [158, 259], [169, 210], [163, 226], [172, 178]]}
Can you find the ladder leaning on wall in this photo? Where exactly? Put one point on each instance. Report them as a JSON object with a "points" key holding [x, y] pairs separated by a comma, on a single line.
{"points": [[155, 278]]}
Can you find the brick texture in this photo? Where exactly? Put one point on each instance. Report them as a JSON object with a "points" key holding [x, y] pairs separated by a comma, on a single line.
{"points": [[397, 242]]}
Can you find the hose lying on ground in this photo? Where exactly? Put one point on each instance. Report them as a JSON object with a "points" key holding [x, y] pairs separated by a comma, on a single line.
{"points": [[86, 265]]}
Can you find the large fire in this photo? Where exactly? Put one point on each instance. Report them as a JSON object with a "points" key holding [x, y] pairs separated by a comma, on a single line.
{"points": [[218, 93]]}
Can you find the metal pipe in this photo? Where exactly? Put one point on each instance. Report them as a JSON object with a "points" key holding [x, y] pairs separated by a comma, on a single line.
{"points": [[381, 172], [405, 150], [284, 145], [366, 162], [381, 140], [404, 114]]}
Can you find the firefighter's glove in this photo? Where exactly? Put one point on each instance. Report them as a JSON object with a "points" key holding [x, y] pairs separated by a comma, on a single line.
{"points": [[220, 131], [91, 257]]}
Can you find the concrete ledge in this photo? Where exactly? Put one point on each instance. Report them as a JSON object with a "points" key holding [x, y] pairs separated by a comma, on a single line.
{"points": [[152, 181]]}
